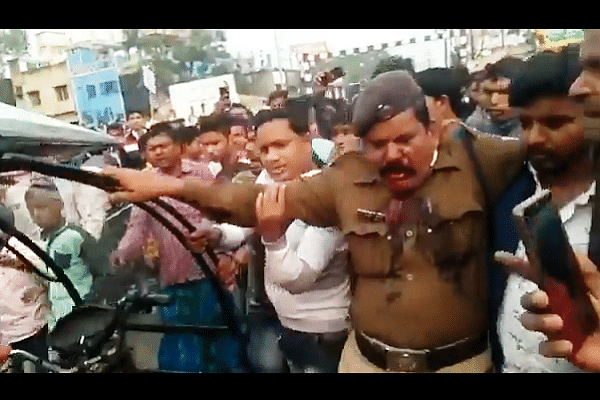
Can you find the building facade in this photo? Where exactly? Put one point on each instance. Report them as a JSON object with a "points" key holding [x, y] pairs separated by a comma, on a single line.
{"points": [[97, 88], [45, 89]]}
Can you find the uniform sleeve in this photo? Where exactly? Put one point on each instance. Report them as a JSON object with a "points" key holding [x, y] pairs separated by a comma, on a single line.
{"points": [[501, 160], [309, 199]]}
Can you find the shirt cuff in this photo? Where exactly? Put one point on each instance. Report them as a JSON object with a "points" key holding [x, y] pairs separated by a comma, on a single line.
{"points": [[280, 244]]}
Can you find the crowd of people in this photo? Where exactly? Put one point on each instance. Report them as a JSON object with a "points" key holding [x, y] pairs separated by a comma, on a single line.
{"points": [[372, 234]]}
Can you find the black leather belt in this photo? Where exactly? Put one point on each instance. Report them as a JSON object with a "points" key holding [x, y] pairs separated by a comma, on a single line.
{"points": [[324, 337], [404, 360]]}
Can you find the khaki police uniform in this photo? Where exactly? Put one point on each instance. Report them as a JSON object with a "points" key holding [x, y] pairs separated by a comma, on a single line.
{"points": [[417, 267], [422, 286]]}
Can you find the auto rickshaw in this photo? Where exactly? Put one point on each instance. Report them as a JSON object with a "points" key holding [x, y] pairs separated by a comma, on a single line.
{"points": [[92, 337]]}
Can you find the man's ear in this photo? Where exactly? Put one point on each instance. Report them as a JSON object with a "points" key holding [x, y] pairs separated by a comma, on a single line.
{"points": [[443, 101]]}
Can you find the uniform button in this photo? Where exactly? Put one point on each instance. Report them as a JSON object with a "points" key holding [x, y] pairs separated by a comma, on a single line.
{"points": [[409, 233], [409, 277], [389, 237]]}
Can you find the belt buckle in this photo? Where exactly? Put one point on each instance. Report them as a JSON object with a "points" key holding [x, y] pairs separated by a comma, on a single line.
{"points": [[407, 360]]}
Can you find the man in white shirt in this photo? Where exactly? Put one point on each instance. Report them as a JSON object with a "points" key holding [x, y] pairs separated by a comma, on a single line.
{"points": [[561, 161], [305, 266]]}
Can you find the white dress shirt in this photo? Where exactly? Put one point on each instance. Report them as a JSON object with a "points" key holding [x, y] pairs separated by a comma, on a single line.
{"points": [[306, 278], [521, 346]]}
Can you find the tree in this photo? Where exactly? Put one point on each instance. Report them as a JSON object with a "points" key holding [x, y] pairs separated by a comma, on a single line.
{"points": [[173, 57], [394, 63], [200, 39], [132, 37], [219, 69], [13, 41]]}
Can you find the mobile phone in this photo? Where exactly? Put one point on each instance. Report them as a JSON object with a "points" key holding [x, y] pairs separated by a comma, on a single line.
{"points": [[556, 267]]}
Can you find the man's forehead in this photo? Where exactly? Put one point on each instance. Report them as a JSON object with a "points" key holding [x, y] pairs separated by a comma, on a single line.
{"points": [[212, 137], [237, 129], [553, 105], [275, 124], [501, 84], [159, 139]]}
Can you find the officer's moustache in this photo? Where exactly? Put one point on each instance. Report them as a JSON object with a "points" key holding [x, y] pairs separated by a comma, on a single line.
{"points": [[397, 168]]}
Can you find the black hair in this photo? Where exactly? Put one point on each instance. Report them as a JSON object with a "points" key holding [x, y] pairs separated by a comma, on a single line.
{"points": [[235, 120], [114, 126], [277, 94], [507, 67], [450, 82], [545, 74], [394, 63], [187, 134], [240, 105], [295, 111], [161, 128], [215, 123]]}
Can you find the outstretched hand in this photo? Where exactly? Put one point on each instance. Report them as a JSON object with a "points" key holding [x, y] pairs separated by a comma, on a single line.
{"points": [[537, 317], [140, 186]]}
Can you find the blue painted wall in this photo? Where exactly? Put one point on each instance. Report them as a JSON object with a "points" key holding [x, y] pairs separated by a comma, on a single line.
{"points": [[97, 89]]}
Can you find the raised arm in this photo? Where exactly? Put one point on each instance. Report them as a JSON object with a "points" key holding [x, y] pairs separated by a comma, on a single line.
{"points": [[311, 199]]}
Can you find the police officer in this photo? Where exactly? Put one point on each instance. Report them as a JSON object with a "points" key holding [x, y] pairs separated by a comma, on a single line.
{"points": [[413, 211]]}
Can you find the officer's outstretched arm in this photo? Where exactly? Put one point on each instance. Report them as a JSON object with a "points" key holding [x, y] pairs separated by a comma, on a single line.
{"points": [[310, 199]]}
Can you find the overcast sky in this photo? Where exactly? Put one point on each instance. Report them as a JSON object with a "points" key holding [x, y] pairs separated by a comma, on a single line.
{"points": [[245, 40]]}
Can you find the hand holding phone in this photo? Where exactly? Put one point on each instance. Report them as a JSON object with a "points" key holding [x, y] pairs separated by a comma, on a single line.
{"points": [[556, 269]]}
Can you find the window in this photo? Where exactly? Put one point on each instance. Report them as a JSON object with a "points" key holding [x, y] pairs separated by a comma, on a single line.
{"points": [[19, 92], [34, 97], [109, 87], [91, 90], [62, 93]]}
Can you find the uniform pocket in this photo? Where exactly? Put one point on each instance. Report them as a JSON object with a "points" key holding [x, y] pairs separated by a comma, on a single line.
{"points": [[453, 239], [369, 249]]}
